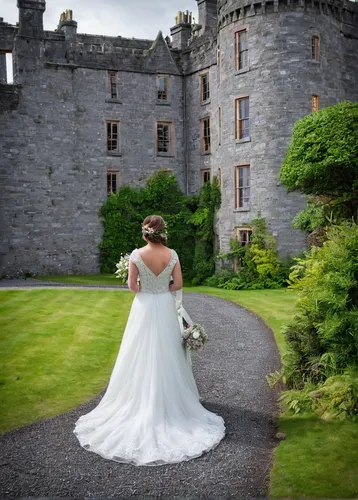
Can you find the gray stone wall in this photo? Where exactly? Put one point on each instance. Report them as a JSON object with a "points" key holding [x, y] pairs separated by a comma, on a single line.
{"points": [[54, 171]]}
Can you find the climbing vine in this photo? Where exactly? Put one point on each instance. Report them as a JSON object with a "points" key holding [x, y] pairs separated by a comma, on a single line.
{"points": [[189, 220]]}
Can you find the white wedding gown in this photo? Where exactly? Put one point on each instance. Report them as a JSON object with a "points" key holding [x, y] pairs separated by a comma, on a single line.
{"points": [[151, 413]]}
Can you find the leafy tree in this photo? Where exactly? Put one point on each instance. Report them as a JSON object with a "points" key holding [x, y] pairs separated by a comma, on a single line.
{"points": [[322, 161]]}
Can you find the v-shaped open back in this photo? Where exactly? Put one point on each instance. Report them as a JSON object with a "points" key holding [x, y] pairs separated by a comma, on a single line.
{"points": [[149, 281], [162, 271]]}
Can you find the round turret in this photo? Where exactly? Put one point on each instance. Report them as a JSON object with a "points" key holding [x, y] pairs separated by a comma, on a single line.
{"points": [[279, 61]]}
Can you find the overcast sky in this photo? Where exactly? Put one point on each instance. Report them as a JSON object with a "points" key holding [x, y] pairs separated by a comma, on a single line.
{"points": [[128, 18]]}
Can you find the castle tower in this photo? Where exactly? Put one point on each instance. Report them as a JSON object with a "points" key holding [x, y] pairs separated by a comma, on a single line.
{"points": [[279, 61]]}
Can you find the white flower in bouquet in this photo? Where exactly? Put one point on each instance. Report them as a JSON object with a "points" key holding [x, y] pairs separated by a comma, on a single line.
{"points": [[194, 336], [122, 268]]}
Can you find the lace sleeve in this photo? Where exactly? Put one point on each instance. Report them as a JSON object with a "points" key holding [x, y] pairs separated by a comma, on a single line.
{"points": [[175, 257], [134, 256]]}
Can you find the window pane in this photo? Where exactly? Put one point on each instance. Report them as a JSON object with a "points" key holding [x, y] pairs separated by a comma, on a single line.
{"points": [[245, 128], [241, 177], [205, 87], [114, 183], [240, 198], [246, 195], [244, 108], [162, 87], [243, 59], [163, 138], [161, 83], [247, 176]]}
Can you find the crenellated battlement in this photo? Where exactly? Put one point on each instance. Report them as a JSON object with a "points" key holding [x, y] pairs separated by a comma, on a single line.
{"points": [[344, 11]]}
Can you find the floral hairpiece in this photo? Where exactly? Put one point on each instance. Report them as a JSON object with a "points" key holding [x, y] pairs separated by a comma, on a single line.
{"points": [[155, 232]]}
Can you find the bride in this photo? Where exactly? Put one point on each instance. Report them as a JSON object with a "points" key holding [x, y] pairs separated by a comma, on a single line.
{"points": [[151, 413]]}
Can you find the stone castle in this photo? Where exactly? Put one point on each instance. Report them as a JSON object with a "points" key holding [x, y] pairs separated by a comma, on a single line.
{"points": [[88, 113]]}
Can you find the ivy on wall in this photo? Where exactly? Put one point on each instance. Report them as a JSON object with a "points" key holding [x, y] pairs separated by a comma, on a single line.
{"points": [[189, 223]]}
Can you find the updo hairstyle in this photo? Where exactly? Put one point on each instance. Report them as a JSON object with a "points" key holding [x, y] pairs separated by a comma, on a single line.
{"points": [[154, 229]]}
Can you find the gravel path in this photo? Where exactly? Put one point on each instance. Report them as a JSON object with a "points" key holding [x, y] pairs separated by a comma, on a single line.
{"points": [[45, 459]]}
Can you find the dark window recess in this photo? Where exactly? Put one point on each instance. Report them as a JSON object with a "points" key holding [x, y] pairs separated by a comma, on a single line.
{"points": [[163, 138]]}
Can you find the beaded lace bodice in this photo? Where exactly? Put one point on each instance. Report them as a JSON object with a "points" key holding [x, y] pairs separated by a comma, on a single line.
{"points": [[149, 282]]}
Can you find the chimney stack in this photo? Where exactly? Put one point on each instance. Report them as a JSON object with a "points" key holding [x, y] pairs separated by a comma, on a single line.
{"points": [[181, 32], [68, 26]]}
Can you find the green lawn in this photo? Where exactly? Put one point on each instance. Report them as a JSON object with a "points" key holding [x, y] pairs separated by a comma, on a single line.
{"points": [[58, 348], [317, 459], [83, 279]]}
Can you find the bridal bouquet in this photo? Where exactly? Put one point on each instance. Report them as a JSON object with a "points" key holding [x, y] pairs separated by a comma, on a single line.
{"points": [[122, 268], [194, 336]]}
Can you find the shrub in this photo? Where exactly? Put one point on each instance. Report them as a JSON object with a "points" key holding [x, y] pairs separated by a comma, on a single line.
{"points": [[324, 334], [259, 263], [337, 397], [220, 278]]}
